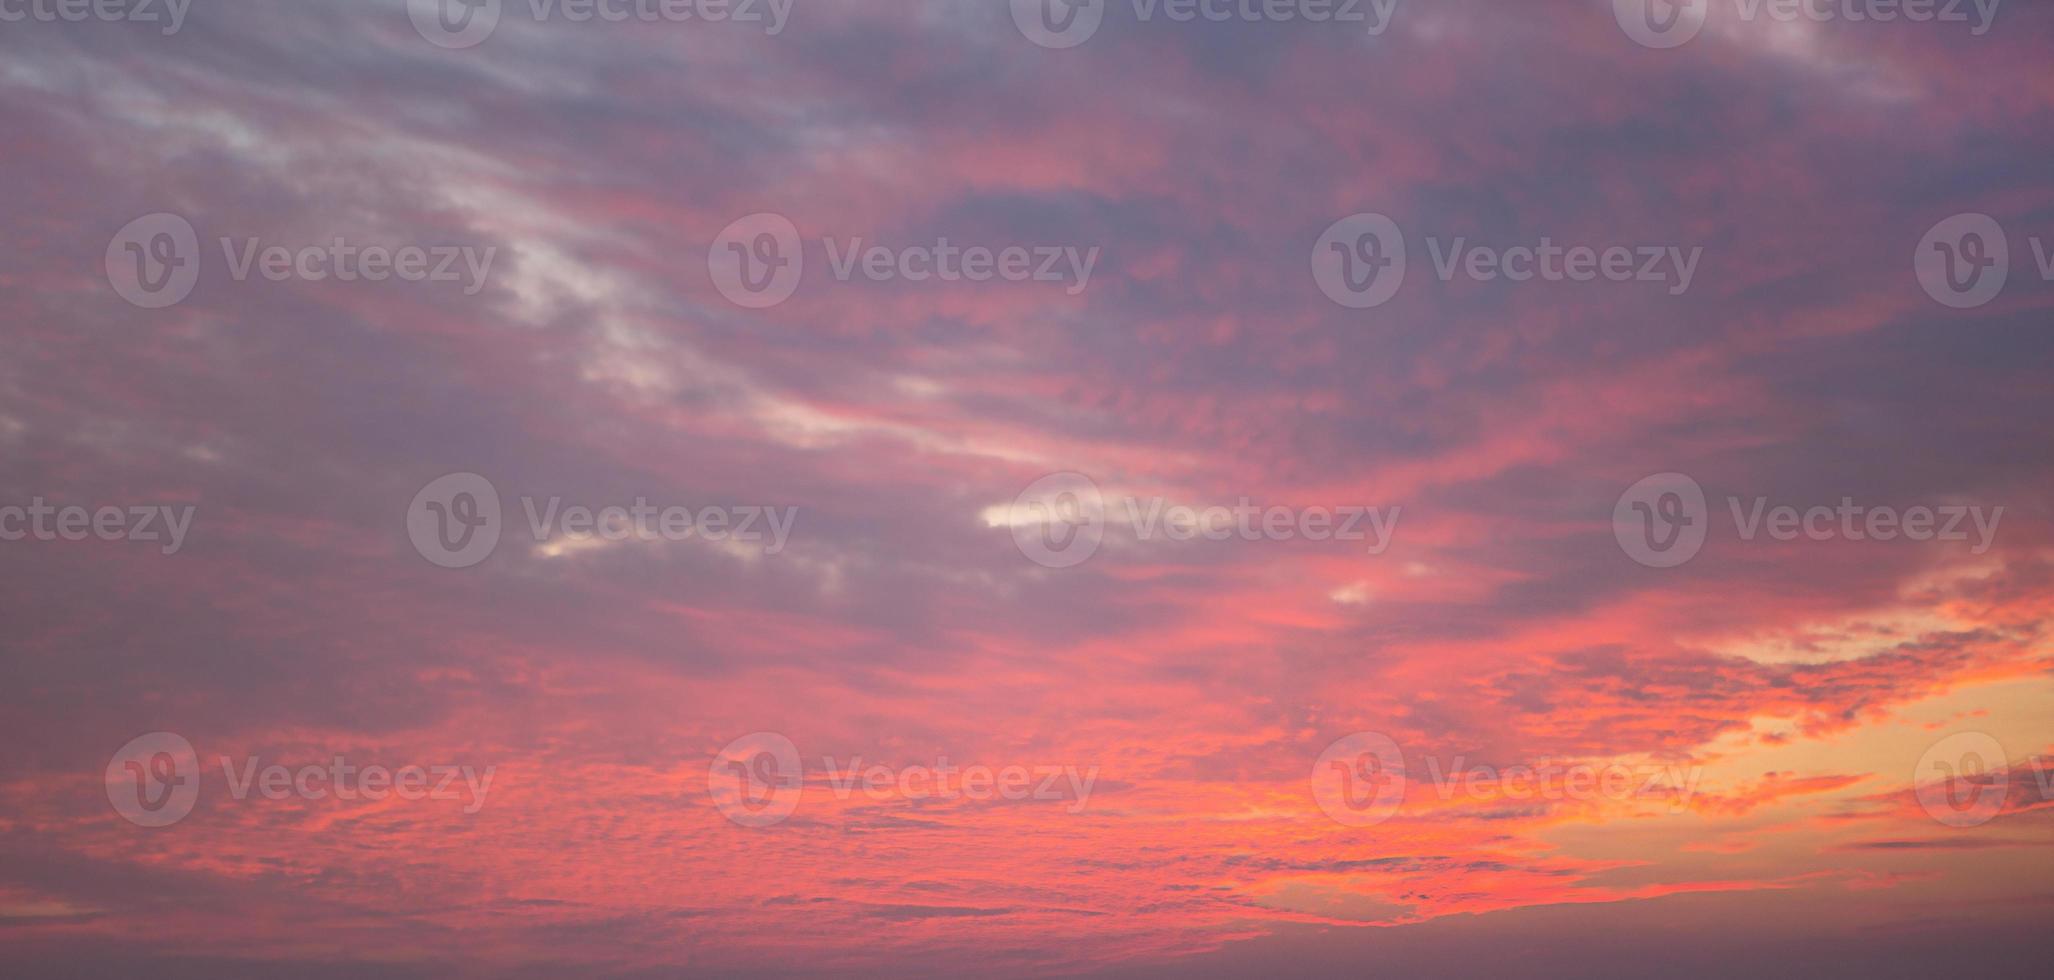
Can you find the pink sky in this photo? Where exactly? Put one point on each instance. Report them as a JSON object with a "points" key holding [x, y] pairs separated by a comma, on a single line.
{"points": [[1795, 748]]}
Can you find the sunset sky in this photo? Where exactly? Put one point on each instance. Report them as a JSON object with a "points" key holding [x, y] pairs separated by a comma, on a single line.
{"points": [[1486, 652]]}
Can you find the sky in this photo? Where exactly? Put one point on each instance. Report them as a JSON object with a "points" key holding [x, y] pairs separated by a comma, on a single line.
{"points": [[1410, 488]]}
